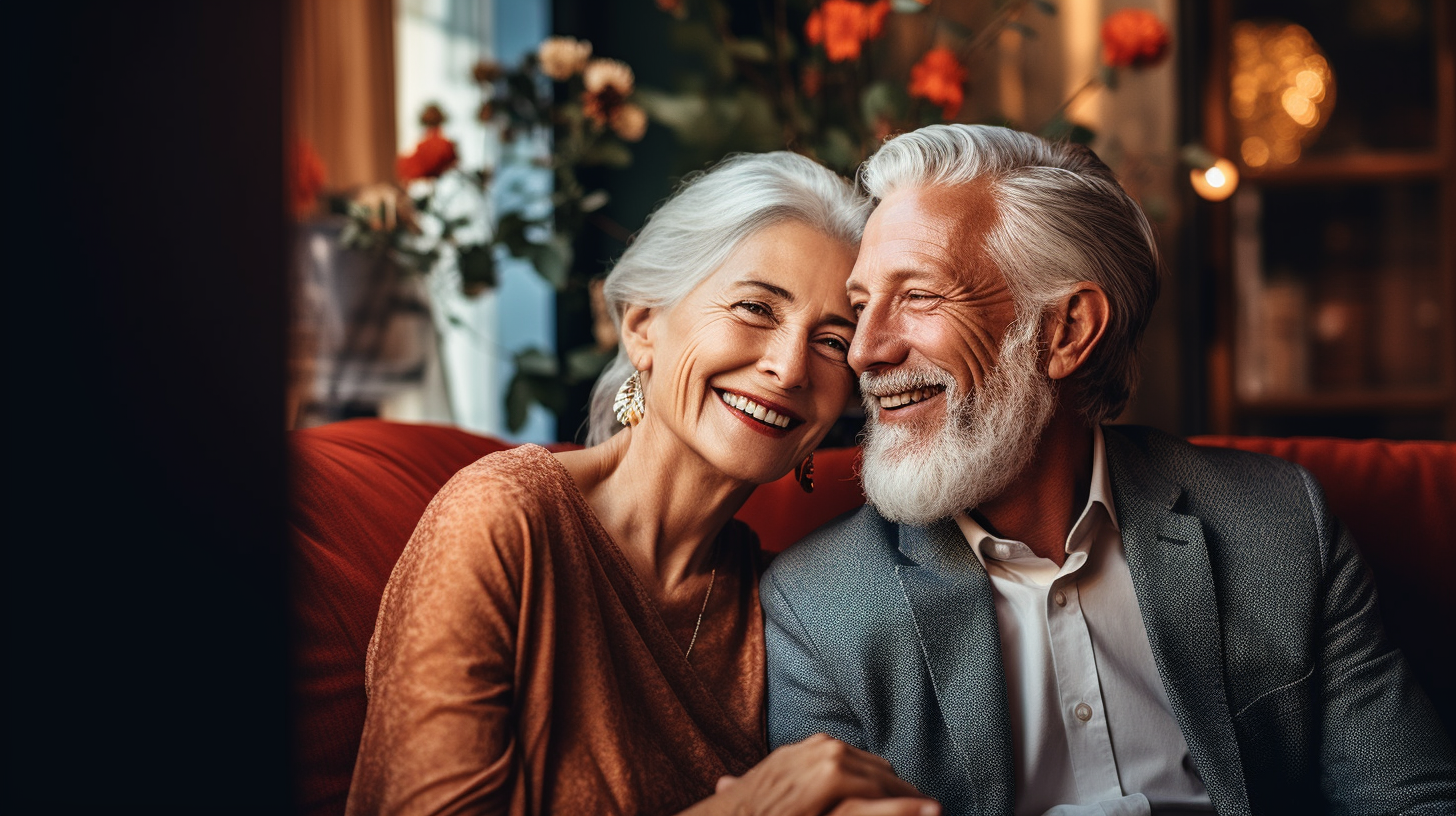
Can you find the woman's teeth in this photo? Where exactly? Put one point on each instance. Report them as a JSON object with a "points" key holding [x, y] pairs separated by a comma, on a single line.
{"points": [[908, 397], [755, 410]]}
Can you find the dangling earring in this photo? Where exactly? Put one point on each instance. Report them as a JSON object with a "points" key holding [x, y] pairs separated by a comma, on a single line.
{"points": [[629, 406], [804, 472]]}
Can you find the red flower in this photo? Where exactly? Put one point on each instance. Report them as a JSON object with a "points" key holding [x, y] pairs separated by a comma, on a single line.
{"points": [[939, 77], [308, 177], [842, 26], [433, 156], [1133, 38]]}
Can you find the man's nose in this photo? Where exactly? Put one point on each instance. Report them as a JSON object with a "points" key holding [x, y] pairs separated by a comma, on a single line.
{"points": [[878, 339]]}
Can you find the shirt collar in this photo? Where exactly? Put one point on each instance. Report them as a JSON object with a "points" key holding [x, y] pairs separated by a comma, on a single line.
{"points": [[1099, 494]]}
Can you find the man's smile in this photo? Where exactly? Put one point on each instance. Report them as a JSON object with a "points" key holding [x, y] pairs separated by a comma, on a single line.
{"points": [[891, 402]]}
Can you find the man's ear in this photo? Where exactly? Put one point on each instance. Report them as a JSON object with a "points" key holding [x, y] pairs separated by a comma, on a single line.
{"points": [[637, 335], [1074, 327]]}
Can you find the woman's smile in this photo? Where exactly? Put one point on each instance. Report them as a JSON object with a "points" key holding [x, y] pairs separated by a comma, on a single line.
{"points": [[768, 418]]}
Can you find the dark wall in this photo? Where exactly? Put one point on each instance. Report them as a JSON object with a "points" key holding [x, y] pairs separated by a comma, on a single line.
{"points": [[146, 640]]}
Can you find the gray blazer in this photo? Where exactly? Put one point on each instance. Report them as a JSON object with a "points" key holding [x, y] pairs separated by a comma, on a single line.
{"points": [[1260, 613]]}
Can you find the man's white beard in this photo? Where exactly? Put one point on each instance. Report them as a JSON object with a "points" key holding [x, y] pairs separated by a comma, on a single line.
{"points": [[917, 475]]}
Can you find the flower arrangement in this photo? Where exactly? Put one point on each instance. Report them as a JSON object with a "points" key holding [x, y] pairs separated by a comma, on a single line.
{"points": [[833, 85], [564, 110]]}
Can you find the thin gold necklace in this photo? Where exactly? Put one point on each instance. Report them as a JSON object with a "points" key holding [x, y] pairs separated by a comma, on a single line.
{"points": [[711, 578]]}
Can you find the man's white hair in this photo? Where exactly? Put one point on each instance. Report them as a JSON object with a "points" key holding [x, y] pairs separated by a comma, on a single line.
{"points": [[1062, 218]]}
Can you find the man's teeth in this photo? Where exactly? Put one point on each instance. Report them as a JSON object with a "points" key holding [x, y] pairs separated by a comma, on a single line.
{"points": [[755, 410], [907, 397]]}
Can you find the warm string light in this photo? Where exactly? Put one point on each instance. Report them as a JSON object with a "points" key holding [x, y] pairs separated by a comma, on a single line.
{"points": [[1281, 91]]}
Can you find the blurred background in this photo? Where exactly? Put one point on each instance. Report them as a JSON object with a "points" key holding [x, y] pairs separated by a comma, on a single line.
{"points": [[464, 171], [236, 219]]}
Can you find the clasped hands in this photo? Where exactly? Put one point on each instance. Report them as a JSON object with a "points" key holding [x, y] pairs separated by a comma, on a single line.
{"points": [[820, 775]]}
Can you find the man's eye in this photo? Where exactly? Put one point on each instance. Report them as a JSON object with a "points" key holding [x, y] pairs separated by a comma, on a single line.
{"points": [[858, 308]]}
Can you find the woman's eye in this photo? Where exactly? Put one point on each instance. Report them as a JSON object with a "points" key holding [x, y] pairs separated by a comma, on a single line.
{"points": [[754, 307], [836, 345]]}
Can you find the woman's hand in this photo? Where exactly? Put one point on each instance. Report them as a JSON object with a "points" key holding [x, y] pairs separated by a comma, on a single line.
{"points": [[820, 775]]}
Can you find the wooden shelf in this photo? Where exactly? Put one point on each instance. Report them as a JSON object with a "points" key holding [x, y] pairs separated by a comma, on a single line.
{"points": [[1354, 167], [1241, 253]]}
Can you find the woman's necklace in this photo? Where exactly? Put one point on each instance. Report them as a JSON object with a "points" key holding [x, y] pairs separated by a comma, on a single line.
{"points": [[711, 578]]}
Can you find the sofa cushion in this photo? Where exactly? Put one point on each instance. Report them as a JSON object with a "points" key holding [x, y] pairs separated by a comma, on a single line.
{"points": [[358, 488]]}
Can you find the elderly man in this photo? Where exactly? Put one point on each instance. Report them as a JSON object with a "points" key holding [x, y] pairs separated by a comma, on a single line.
{"points": [[1037, 613]]}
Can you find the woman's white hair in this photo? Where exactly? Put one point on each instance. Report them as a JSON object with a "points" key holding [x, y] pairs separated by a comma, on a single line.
{"points": [[1063, 218], [695, 230]]}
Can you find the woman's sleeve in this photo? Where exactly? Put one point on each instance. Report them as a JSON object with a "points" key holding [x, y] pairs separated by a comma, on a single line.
{"points": [[439, 736]]}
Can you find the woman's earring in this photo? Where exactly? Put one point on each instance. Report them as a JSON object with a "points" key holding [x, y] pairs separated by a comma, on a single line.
{"points": [[804, 472], [629, 405]]}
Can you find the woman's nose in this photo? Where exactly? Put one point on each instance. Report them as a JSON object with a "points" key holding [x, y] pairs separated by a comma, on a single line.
{"points": [[786, 359]]}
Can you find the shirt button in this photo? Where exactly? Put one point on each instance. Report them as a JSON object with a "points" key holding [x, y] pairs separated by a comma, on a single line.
{"points": [[1061, 598], [1083, 712]]}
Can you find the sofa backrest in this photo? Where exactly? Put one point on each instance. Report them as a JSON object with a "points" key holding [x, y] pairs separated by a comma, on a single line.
{"points": [[359, 487]]}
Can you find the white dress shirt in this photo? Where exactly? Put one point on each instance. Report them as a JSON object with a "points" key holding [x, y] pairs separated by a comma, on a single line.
{"points": [[1090, 722]]}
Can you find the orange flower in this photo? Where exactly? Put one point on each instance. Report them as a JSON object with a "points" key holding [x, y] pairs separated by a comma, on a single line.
{"points": [[939, 77], [308, 177], [874, 18], [1133, 38], [433, 156], [842, 26]]}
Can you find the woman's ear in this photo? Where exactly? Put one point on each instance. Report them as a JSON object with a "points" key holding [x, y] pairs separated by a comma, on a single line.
{"points": [[637, 334], [1074, 327]]}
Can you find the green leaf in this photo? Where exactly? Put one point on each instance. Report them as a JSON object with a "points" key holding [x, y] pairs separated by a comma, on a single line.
{"points": [[518, 403], [610, 153], [757, 124], [838, 149], [477, 267], [535, 381], [956, 29], [510, 232], [883, 100], [684, 114], [750, 50], [552, 260], [907, 6], [534, 362], [586, 363], [1197, 156], [1109, 77], [416, 261]]}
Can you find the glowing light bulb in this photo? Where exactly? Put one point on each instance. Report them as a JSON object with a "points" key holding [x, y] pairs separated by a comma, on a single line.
{"points": [[1215, 183]]}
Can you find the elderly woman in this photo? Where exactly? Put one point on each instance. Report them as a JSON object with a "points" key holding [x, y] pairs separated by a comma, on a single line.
{"points": [[580, 632]]}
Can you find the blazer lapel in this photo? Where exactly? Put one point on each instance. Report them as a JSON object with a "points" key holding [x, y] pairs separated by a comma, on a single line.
{"points": [[1168, 559], [949, 595]]}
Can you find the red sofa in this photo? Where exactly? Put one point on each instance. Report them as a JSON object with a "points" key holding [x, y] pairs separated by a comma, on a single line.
{"points": [[358, 487]]}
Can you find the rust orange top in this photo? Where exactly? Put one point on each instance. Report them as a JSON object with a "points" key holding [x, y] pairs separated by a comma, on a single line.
{"points": [[520, 666]]}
